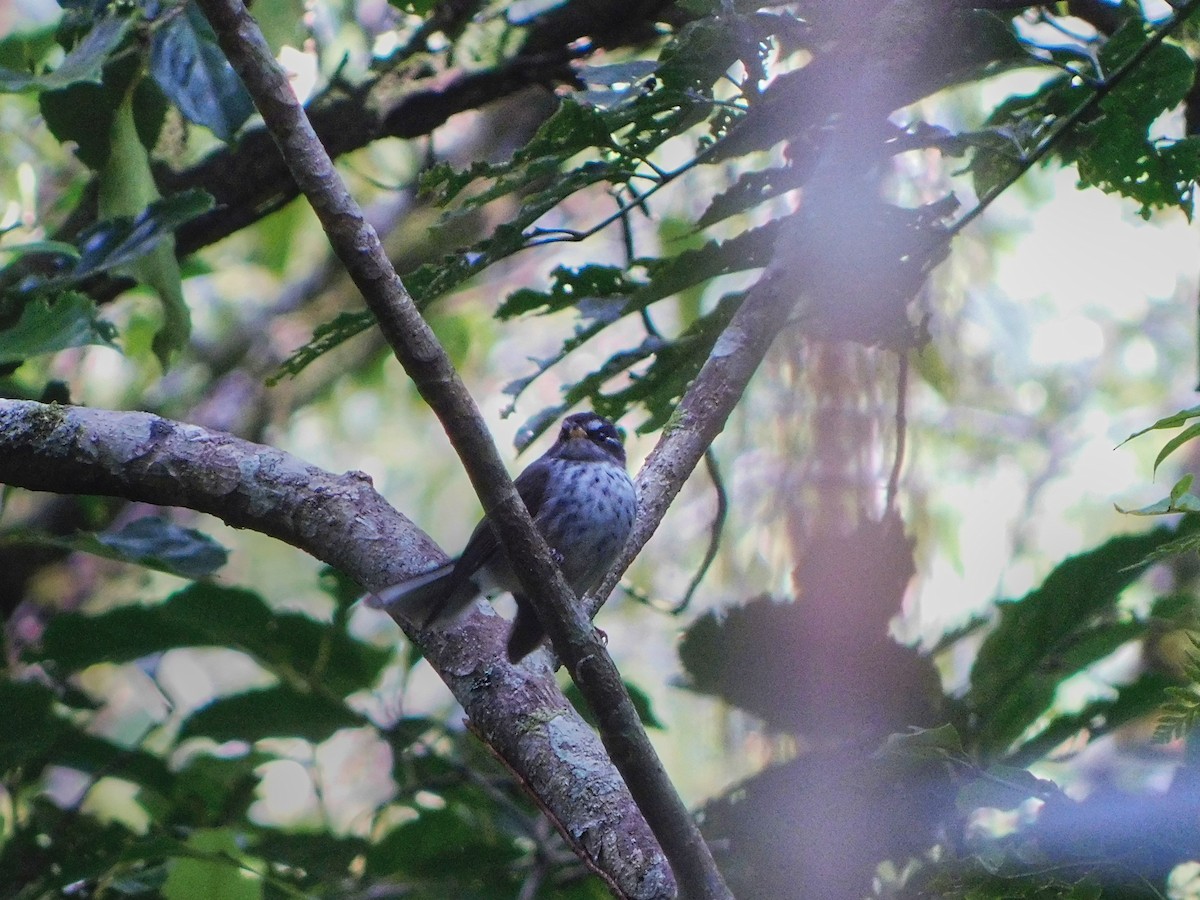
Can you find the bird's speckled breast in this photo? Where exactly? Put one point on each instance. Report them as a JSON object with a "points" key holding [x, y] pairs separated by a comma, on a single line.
{"points": [[587, 519]]}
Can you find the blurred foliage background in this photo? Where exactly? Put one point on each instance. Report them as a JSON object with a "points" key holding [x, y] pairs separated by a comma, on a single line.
{"points": [[930, 656]]}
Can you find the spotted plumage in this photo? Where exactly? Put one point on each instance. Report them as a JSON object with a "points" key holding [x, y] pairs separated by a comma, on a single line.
{"points": [[582, 501]]}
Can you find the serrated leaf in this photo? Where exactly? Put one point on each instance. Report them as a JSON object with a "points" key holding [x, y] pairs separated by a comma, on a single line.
{"points": [[193, 72], [751, 189], [47, 325], [280, 711], [326, 337], [675, 362], [1112, 148], [1179, 715]]}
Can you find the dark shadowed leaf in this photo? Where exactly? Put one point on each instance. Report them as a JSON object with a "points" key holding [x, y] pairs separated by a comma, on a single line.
{"points": [[156, 544], [279, 711], [99, 757], [119, 242], [195, 75], [208, 615], [457, 838], [1004, 787], [216, 788], [32, 727], [324, 857]]}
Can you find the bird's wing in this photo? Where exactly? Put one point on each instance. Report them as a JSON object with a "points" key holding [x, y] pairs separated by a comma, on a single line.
{"points": [[483, 544]]}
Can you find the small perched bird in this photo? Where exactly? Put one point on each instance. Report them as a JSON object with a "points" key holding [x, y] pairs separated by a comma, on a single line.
{"points": [[582, 501]]}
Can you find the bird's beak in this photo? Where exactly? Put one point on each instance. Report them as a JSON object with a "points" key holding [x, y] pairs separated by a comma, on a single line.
{"points": [[576, 432]]}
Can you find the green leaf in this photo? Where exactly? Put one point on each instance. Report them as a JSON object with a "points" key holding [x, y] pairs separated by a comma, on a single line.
{"points": [[84, 63], [1179, 715], [326, 858], [31, 725], [126, 187], [1134, 701], [280, 711], [99, 757], [206, 615], [159, 544], [1180, 501], [1175, 443], [1112, 149], [83, 113], [193, 72], [24, 51], [216, 788], [151, 542], [441, 843], [47, 325], [1182, 486], [326, 337], [414, 7], [201, 615], [216, 866], [1054, 631], [1172, 421]]}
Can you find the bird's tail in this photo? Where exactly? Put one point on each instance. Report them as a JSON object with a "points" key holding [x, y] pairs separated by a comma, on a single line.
{"points": [[432, 597], [418, 599]]}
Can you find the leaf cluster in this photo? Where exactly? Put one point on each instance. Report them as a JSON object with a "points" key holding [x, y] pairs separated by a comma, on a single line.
{"points": [[807, 669], [452, 824]]}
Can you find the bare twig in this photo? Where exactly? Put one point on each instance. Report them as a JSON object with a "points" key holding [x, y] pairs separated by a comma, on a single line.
{"points": [[426, 362]]}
